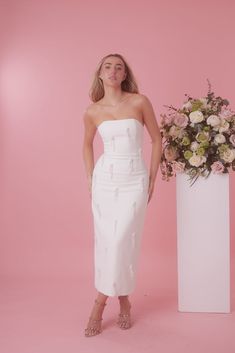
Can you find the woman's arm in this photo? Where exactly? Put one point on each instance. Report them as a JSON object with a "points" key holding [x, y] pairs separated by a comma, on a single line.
{"points": [[156, 140], [88, 153]]}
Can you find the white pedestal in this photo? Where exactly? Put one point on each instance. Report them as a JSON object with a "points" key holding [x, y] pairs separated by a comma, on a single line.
{"points": [[203, 244]]}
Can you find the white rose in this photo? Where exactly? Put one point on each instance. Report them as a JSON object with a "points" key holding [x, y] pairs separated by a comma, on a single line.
{"points": [[219, 138], [196, 160], [194, 146], [224, 125], [228, 156], [196, 117], [213, 120]]}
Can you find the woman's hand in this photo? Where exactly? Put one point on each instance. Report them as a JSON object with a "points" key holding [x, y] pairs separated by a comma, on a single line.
{"points": [[150, 188]]}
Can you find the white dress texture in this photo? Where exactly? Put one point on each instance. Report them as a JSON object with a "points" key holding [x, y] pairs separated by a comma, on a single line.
{"points": [[119, 201]]}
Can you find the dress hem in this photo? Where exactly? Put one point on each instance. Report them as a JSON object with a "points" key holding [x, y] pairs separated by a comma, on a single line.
{"points": [[114, 295]]}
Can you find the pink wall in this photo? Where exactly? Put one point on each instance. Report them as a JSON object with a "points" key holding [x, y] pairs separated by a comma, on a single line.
{"points": [[49, 52]]}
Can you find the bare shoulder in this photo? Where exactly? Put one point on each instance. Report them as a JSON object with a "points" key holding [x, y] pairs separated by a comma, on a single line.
{"points": [[142, 99], [136, 99], [144, 105]]}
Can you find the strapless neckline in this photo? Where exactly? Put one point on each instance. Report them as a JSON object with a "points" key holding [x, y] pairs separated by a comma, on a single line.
{"points": [[112, 120]]}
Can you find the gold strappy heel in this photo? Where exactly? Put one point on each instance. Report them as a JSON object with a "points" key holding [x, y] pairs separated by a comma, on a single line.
{"points": [[94, 325], [124, 320]]}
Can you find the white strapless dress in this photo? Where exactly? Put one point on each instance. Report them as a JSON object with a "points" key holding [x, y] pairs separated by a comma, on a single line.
{"points": [[119, 201]]}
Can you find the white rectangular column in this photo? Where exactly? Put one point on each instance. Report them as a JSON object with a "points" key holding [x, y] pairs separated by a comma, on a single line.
{"points": [[203, 244]]}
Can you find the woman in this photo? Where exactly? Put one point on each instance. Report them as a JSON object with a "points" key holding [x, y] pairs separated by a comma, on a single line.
{"points": [[120, 184]]}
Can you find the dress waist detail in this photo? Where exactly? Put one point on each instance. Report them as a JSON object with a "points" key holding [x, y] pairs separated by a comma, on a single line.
{"points": [[121, 155]]}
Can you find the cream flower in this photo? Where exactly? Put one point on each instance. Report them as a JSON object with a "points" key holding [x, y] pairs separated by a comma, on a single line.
{"points": [[224, 126], [187, 106], [204, 102], [213, 120], [219, 138], [196, 160], [196, 117], [228, 155]]}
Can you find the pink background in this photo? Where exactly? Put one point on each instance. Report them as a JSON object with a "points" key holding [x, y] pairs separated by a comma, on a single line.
{"points": [[49, 51]]}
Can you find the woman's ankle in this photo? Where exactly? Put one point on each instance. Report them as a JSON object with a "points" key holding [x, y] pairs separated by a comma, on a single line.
{"points": [[98, 308], [124, 303]]}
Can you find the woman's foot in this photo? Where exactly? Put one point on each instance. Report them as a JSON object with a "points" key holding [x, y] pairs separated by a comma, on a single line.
{"points": [[124, 317], [95, 320]]}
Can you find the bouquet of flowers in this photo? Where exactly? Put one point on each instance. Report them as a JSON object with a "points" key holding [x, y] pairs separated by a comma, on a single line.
{"points": [[198, 138]]}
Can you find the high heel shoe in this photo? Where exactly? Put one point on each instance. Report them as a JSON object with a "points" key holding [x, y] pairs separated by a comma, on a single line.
{"points": [[124, 320], [94, 325]]}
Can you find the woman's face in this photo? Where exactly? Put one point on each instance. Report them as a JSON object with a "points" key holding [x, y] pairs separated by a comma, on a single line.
{"points": [[112, 71]]}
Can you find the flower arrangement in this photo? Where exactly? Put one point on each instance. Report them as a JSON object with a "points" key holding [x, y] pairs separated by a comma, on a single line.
{"points": [[198, 138]]}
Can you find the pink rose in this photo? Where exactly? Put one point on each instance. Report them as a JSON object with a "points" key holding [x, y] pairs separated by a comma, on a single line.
{"points": [[181, 120], [232, 139], [226, 113], [178, 167], [176, 131], [217, 167], [170, 153]]}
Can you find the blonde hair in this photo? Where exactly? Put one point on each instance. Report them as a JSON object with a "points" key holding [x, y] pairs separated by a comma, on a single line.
{"points": [[128, 85]]}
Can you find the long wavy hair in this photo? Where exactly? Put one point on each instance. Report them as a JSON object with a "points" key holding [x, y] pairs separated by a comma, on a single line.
{"points": [[128, 85]]}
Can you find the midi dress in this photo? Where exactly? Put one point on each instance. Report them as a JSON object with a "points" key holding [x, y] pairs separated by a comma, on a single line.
{"points": [[119, 201]]}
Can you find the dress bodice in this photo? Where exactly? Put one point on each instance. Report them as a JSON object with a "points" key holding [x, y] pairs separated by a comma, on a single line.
{"points": [[122, 136]]}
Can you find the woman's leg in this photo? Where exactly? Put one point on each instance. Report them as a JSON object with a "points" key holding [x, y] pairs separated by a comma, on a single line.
{"points": [[94, 324], [97, 310], [124, 319]]}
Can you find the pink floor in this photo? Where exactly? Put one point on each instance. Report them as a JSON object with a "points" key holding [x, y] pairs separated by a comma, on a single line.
{"points": [[47, 315]]}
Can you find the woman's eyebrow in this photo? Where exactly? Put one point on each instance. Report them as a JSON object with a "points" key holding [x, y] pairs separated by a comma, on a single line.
{"points": [[111, 63]]}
